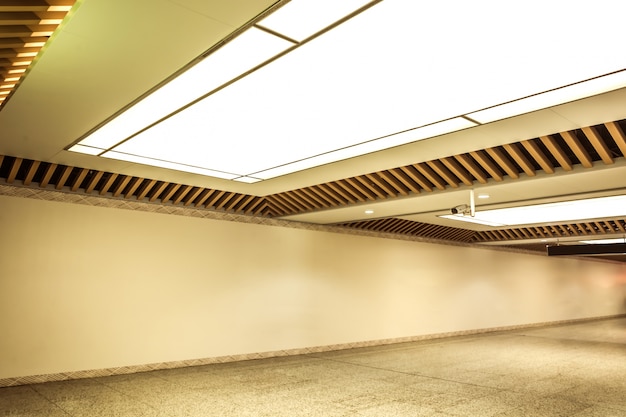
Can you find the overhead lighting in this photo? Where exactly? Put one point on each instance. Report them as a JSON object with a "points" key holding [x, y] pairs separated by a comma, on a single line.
{"points": [[470, 219], [60, 8], [7, 85], [301, 19], [565, 211], [369, 211], [243, 53], [604, 241], [11, 79], [21, 63], [168, 165], [551, 98], [5, 92], [313, 84]]}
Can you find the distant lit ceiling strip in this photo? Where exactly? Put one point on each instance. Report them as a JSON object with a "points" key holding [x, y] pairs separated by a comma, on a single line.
{"points": [[565, 211]]}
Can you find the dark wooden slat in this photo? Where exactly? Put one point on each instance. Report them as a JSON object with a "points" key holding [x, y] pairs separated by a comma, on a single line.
{"points": [[146, 189], [557, 152], [14, 169], [416, 176], [472, 167], [32, 170], [121, 186], [182, 194], [64, 176], [444, 173], [190, 199], [48, 175], [170, 193], [598, 144], [405, 179], [395, 182], [431, 175], [534, 150], [618, 136], [579, 150], [460, 172], [109, 182], [136, 182], [503, 161], [519, 157], [374, 179], [487, 165]]}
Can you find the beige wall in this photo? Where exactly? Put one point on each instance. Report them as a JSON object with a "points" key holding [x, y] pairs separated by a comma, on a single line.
{"points": [[86, 287]]}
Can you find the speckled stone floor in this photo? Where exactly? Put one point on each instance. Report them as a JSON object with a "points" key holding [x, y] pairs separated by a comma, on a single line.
{"points": [[571, 370]]}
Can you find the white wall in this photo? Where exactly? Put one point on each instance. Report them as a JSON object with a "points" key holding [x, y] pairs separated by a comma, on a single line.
{"points": [[86, 287]]}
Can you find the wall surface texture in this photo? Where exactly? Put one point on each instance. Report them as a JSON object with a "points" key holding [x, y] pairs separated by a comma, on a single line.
{"points": [[85, 287]]}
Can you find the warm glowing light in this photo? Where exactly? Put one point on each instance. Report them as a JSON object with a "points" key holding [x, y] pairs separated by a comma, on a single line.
{"points": [[86, 150], [26, 54], [59, 8], [10, 79], [369, 211], [17, 71], [5, 92], [604, 241], [21, 63], [565, 211], [7, 85]]}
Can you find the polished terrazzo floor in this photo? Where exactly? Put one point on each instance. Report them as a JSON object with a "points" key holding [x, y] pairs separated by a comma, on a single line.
{"points": [[570, 370]]}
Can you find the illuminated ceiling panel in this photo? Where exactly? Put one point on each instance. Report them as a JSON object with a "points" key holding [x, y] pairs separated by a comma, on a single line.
{"points": [[379, 79]]}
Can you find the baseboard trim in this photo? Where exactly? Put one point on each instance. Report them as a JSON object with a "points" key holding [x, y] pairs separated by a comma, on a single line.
{"points": [[64, 376]]}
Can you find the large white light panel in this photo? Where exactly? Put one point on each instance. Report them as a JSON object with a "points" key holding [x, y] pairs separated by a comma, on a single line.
{"points": [[300, 19], [398, 65], [238, 56]]}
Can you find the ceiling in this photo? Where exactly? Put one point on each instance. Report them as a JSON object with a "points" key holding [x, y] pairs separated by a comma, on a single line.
{"points": [[107, 53]]}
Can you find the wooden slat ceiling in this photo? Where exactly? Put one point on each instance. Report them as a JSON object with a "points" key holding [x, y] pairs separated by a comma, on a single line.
{"points": [[584, 148], [25, 26]]}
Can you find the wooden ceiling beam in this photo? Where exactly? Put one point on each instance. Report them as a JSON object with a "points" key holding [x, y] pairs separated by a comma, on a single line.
{"points": [[472, 167], [211, 201], [416, 176], [182, 193], [48, 175], [252, 206], [405, 179], [579, 150], [376, 180], [503, 162], [109, 182], [157, 192], [431, 175], [311, 201], [321, 194], [518, 156], [170, 193], [204, 195], [304, 203], [541, 158], [487, 164], [135, 183], [14, 169], [598, 144], [365, 188], [444, 173], [63, 178], [618, 136], [119, 189], [337, 188], [145, 189], [352, 190], [556, 151], [338, 196], [32, 170], [192, 196], [396, 182], [458, 170]]}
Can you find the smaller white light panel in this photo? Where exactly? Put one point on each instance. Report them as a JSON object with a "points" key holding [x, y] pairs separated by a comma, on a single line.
{"points": [[392, 72], [562, 212]]}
